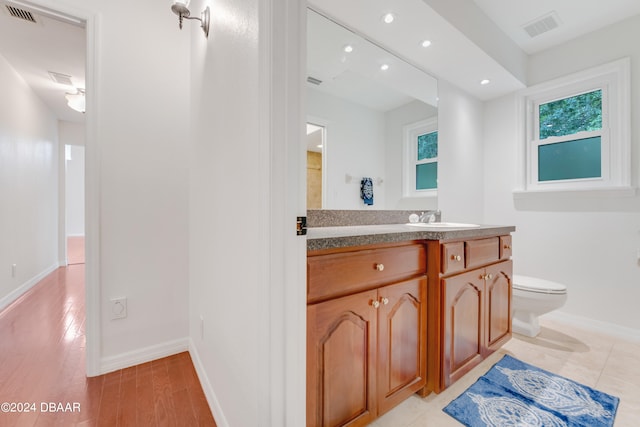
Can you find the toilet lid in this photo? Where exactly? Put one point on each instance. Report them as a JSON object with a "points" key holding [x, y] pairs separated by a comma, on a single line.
{"points": [[533, 284]]}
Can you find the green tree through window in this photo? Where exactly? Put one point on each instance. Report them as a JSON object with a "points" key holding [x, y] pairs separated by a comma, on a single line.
{"points": [[571, 115], [428, 146]]}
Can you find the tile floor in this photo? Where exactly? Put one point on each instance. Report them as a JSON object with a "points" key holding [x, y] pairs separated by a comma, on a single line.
{"points": [[602, 362]]}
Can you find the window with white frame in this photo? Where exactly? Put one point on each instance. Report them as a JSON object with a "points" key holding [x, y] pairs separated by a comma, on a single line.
{"points": [[420, 160], [577, 131]]}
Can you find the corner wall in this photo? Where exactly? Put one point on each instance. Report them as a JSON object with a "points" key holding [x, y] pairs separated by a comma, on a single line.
{"points": [[461, 188]]}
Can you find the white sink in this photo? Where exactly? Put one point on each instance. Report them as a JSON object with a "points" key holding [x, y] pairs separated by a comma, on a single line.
{"points": [[442, 225]]}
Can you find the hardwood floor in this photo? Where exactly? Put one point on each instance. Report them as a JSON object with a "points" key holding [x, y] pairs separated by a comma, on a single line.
{"points": [[75, 250], [42, 369]]}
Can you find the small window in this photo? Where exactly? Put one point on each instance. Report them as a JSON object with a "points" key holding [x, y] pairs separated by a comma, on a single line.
{"points": [[420, 159], [577, 131], [569, 137]]}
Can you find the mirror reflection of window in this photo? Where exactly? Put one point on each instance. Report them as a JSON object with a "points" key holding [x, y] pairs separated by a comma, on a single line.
{"points": [[315, 143], [420, 162], [427, 161]]}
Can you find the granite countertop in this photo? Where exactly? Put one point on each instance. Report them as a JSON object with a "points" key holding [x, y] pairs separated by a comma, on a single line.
{"points": [[358, 235]]}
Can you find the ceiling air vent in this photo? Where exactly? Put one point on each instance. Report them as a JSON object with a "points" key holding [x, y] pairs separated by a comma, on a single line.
{"points": [[63, 79], [21, 14], [314, 81], [542, 24]]}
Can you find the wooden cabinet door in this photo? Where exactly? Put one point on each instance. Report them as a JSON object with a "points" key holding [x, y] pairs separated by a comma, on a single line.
{"points": [[463, 330], [498, 305], [401, 342], [341, 356]]}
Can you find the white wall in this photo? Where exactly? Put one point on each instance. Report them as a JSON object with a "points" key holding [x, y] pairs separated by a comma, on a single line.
{"points": [[395, 120], [588, 243], [143, 104], [136, 152], [28, 186], [224, 307], [244, 172], [71, 133], [355, 146], [460, 155]]}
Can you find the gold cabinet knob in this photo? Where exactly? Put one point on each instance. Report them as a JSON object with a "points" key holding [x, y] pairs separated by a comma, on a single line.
{"points": [[489, 276], [456, 257], [507, 246], [380, 267], [384, 300], [375, 304]]}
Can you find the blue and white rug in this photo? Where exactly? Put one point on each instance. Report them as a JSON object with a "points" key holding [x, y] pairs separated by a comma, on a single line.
{"points": [[514, 393]]}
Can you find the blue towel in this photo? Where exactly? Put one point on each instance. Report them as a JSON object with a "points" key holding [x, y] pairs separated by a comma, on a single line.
{"points": [[366, 191]]}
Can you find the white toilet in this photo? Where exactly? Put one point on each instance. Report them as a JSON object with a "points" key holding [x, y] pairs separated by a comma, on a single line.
{"points": [[533, 297]]}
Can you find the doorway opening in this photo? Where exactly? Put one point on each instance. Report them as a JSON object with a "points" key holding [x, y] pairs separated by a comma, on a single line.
{"points": [[74, 204], [53, 47]]}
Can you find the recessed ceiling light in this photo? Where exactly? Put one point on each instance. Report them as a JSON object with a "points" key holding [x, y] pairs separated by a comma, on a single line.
{"points": [[485, 82], [348, 48], [426, 43], [384, 67], [388, 18]]}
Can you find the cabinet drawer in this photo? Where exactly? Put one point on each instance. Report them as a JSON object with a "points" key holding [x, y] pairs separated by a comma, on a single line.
{"points": [[340, 274], [481, 251], [452, 257], [505, 247]]}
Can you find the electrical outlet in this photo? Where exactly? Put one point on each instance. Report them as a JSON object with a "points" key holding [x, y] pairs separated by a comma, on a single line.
{"points": [[13, 270], [201, 327], [118, 308]]}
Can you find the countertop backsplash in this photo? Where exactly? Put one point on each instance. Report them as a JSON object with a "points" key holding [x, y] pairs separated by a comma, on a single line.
{"points": [[337, 218]]}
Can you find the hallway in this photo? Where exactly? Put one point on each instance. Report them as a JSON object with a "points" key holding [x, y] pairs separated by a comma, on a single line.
{"points": [[42, 369]]}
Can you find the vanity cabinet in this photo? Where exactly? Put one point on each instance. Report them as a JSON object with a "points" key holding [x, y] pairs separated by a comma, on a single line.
{"points": [[476, 312], [366, 332], [469, 305]]}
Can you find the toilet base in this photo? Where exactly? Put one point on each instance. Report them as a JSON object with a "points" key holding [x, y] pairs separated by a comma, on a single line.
{"points": [[525, 324]]}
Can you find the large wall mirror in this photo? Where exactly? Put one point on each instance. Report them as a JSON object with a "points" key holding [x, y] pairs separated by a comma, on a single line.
{"points": [[365, 105]]}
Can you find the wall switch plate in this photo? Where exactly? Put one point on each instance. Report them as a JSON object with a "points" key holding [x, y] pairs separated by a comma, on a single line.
{"points": [[118, 308]]}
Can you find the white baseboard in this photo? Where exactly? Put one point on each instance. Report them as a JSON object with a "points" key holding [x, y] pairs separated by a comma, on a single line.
{"points": [[607, 328], [22, 289], [214, 404], [143, 355]]}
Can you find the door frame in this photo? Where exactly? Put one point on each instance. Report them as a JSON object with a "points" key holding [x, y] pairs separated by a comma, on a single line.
{"points": [[92, 182]]}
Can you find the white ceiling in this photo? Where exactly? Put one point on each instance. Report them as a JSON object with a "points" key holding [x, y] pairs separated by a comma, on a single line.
{"points": [[357, 75], [453, 55], [577, 17], [51, 45]]}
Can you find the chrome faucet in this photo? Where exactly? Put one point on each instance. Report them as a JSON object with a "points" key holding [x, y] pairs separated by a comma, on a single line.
{"points": [[429, 216]]}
